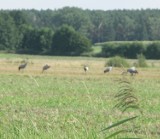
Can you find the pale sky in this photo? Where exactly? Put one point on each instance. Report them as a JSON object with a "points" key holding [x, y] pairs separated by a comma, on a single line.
{"points": [[84, 4]]}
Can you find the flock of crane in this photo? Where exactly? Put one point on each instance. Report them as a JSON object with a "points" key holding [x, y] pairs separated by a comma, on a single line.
{"points": [[131, 70], [23, 66]]}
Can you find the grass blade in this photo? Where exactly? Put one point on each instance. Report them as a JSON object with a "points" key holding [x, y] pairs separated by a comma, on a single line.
{"points": [[119, 123], [115, 133]]}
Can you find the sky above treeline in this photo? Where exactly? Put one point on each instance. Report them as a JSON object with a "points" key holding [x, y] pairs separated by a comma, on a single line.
{"points": [[84, 4]]}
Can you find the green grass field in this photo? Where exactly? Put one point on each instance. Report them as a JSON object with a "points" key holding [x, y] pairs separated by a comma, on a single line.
{"points": [[64, 102]]}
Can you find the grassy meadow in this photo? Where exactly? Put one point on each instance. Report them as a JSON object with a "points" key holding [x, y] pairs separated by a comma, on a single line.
{"points": [[64, 102]]}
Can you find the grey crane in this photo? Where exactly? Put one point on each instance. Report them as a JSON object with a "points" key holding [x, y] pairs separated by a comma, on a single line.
{"points": [[22, 66], [132, 71], [45, 67], [108, 69]]}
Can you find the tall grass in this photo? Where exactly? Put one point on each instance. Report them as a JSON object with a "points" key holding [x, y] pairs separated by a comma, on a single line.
{"points": [[62, 103], [125, 99]]}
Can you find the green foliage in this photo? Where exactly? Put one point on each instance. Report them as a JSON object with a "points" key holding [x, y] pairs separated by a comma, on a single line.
{"points": [[74, 17], [117, 61], [153, 50], [97, 26], [141, 61], [109, 49], [100, 26], [66, 41], [131, 49], [135, 48], [123, 49], [116, 125], [36, 41], [8, 32], [19, 17], [125, 99]]}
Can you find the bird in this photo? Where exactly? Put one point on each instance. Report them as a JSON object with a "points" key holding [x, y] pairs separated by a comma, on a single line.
{"points": [[22, 66], [45, 67], [86, 68], [108, 69], [132, 71]]}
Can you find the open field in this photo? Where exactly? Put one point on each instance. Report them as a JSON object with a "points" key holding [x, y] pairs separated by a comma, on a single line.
{"points": [[64, 102]]}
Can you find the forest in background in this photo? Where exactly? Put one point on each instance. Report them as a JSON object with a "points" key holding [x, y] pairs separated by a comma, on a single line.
{"points": [[72, 31]]}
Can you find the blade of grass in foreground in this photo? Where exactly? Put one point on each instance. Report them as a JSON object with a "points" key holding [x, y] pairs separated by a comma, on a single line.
{"points": [[115, 133], [119, 123], [118, 132]]}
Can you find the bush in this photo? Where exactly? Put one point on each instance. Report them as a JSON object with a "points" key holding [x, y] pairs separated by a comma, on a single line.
{"points": [[141, 61], [134, 49], [109, 49], [153, 51], [123, 49], [117, 61]]}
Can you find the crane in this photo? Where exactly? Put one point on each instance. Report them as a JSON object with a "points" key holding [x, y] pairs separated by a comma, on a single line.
{"points": [[45, 67], [108, 69], [86, 68], [22, 66], [132, 71]]}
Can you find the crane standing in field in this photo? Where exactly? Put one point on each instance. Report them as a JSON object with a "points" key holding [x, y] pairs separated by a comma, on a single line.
{"points": [[86, 68], [22, 66], [45, 67], [108, 69], [132, 71]]}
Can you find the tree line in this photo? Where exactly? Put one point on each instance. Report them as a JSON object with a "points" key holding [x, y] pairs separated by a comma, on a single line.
{"points": [[149, 49], [71, 30]]}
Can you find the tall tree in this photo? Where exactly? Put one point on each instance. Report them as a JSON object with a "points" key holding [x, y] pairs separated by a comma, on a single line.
{"points": [[66, 41], [37, 41], [8, 32]]}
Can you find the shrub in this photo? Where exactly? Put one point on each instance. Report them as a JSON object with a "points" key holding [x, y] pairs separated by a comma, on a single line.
{"points": [[141, 61], [109, 49], [123, 49], [135, 48], [117, 61], [153, 51]]}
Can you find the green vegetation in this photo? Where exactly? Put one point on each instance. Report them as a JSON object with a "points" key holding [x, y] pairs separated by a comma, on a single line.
{"points": [[141, 61], [130, 49], [35, 32], [64, 102], [153, 50], [66, 41], [125, 99], [117, 61]]}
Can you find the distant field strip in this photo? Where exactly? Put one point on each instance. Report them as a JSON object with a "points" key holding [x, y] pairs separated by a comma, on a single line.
{"points": [[71, 67]]}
